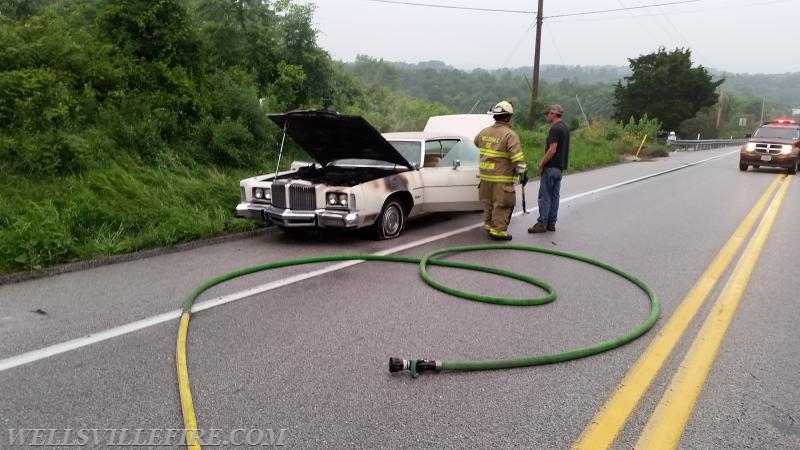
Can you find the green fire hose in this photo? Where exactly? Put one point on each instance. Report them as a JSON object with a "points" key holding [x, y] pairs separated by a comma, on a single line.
{"points": [[429, 259], [416, 366]]}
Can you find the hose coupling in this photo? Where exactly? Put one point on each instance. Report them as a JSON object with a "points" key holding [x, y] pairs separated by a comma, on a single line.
{"points": [[414, 365]]}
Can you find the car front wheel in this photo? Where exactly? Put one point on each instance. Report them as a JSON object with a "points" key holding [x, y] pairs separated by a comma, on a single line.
{"points": [[391, 221], [742, 166]]}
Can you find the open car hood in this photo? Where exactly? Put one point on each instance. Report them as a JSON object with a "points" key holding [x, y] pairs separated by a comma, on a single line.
{"points": [[328, 136]]}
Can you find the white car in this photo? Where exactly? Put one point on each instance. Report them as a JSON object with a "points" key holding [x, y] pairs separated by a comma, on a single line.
{"points": [[361, 178]]}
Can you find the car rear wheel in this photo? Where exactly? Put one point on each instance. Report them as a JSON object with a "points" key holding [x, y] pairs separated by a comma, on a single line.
{"points": [[742, 166], [391, 221]]}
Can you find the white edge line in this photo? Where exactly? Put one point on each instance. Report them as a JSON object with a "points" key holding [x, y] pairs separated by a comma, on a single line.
{"points": [[46, 352], [73, 344]]}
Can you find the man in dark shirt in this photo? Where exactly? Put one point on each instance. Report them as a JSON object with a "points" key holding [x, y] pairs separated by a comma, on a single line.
{"points": [[553, 163]]}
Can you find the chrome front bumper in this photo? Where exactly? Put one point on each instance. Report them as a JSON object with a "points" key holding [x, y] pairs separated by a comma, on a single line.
{"points": [[322, 218], [250, 210]]}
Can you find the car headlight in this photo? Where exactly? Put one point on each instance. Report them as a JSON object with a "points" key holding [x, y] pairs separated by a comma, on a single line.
{"points": [[331, 198], [336, 199], [751, 146], [262, 193], [786, 149]]}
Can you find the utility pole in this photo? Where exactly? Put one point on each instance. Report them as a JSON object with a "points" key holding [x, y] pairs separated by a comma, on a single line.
{"points": [[535, 87], [582, 112]]}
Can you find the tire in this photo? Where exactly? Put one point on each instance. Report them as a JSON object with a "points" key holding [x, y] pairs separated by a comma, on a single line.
{"points": [[793, 169], [391, 221], [742, 166]]}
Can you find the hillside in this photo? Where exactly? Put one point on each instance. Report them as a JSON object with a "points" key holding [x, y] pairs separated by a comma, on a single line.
{"points": [[782, 90]]}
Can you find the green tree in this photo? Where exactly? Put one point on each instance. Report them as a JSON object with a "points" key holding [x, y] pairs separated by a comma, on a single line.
{"points": [[241, 34], [301, 50], [159, 31], [21, 9], [371, 70], [664, 85]]}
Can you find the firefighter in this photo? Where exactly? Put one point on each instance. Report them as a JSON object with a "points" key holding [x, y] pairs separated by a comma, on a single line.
{"points": [[501, 162]]}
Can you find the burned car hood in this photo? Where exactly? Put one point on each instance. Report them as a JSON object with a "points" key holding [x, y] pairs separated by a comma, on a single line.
{"points": [[328, 136]]}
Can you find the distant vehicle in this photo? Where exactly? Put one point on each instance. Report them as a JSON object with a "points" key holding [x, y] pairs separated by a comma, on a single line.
{"points": [[362, 179], [773, 144], [671, 137]]}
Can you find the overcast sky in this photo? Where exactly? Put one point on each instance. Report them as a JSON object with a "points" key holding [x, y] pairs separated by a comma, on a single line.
{"points": [[739, 36]]}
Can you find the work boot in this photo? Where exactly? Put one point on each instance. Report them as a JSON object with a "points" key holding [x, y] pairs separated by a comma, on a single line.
{"points": [[538, 228], [551, 227], [500, 237]]}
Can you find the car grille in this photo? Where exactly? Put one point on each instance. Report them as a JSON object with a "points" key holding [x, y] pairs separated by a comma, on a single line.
{"points": [[768, 148], [300, 197]]}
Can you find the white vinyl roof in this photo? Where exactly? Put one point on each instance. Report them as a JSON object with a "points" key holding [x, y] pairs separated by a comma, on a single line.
{"points": [[459, 124]]}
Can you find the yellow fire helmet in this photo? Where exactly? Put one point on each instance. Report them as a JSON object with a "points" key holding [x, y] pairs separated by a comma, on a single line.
{"points": [[503, 107]]}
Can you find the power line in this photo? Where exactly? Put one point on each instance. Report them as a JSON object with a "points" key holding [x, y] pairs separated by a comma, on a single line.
{"points": [[627, 8], [453, 7], [430, 5], [644, 28], [585, 13], [693, 11]]}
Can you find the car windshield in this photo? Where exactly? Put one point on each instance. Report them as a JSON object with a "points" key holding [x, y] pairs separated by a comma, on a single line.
{"points": [[778, 132], [362, 162], [409, 149]]}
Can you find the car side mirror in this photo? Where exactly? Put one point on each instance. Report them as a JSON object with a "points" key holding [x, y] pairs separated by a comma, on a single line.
{"points": [[456, 164], [748, 136]]}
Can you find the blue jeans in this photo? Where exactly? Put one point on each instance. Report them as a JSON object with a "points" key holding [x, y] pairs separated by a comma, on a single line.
{"points": [[549, 195]]}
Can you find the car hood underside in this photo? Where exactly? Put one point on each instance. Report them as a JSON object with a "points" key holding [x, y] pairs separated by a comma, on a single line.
{"points": [[328, 136]]}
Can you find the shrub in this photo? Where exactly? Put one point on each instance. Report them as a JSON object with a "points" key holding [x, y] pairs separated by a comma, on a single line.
{"points": [[35, 237]]}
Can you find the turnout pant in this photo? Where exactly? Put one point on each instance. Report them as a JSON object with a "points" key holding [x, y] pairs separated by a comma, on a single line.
{"points": [[498, 200]]}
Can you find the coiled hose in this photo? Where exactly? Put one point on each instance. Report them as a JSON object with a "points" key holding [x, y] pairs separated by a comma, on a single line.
{"points": [[417, 366]]}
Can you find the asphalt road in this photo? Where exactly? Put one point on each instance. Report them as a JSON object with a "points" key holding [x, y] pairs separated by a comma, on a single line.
{"points": [[306, 348]]}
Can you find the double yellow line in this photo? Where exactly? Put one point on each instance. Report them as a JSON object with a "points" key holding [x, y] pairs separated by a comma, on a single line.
{"points": [[669, 419]]}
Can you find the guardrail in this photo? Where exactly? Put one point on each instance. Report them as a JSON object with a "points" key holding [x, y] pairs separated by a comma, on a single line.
{"points": [[703, 144]]}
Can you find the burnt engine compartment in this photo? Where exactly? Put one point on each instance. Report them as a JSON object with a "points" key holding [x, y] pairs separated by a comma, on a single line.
{"points": [[341, 176]]}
